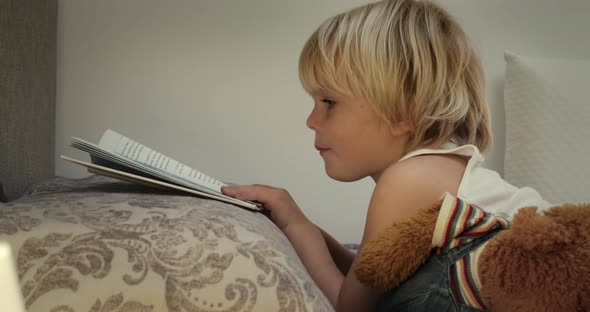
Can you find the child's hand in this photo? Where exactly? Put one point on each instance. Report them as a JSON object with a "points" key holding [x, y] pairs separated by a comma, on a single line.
{"points": [[283, 209]]}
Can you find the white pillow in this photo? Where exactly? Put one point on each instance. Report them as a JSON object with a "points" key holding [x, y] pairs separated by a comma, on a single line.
{"points": [[548, 126]]}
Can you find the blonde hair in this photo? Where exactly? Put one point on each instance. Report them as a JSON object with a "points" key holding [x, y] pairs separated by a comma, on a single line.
{"points": [[411, 61]]}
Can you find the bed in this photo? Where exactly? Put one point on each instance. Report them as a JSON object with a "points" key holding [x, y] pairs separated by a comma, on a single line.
{"points": [[99, 244]]}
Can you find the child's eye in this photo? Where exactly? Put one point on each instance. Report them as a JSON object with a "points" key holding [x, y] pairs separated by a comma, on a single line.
{"points": [[329, 102]]}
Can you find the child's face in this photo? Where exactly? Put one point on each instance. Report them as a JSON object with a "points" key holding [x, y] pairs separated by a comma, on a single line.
{"points": [[352, 139]]}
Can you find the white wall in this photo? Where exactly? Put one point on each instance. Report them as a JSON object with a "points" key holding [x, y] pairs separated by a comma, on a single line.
{"points": [[214, 83]]}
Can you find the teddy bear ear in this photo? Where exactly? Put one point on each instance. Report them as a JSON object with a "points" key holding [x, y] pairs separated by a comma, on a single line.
{"points": [[396, 253], [540, 263]]}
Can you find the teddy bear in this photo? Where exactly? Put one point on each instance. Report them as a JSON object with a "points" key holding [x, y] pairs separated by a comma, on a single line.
{"points": [[539, 261]]}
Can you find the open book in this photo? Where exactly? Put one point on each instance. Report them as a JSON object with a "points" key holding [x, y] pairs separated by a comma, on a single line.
{"points": [[120, 157]]}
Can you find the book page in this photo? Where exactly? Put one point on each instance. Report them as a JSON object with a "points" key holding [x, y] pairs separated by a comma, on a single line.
{"points": [[148, 181], [133, 150]]}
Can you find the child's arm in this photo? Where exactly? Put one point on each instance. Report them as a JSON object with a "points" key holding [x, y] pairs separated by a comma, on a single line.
{"points": [[306, 237], [341, 255], [308, 242]]}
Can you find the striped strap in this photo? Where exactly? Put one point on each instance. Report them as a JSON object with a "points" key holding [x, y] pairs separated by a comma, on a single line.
{"points": [[459, 223]]}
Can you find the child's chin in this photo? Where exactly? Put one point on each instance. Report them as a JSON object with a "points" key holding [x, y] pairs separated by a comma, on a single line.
{"points": [[341, 176]]}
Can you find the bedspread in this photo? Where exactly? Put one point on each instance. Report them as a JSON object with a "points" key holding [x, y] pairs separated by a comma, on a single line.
{"points": [[98, 244]]}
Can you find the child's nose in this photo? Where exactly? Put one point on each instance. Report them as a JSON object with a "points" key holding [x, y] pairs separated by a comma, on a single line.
{"points": [[312, 120]]}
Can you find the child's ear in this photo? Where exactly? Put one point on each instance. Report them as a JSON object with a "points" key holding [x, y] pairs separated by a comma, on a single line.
{"points": [[401, 128]]}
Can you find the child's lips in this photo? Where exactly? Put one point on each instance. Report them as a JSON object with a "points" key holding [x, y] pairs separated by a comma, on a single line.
{"points": [[321, 149]]}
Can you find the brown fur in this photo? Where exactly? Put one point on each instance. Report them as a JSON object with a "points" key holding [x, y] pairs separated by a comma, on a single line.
{"points": [[399, 251], [542, 263]]}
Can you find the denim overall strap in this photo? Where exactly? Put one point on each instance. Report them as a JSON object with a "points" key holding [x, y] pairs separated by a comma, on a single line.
{"points": [[448, 280], [461, 231], [459, 252], [429, 288]]}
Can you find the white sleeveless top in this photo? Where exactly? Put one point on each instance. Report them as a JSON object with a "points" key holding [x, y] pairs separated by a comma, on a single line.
{"points": [[485, 188]]}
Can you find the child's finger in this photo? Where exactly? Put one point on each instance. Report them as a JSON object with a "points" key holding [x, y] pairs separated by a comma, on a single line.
{"points": [[246, 192], [254, 193], [231, 190]]}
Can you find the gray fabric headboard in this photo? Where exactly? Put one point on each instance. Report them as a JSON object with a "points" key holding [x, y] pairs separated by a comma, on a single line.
{"points": [[28, 45]]}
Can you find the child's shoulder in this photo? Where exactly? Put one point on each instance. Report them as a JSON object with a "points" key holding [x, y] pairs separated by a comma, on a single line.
{"points": [[426, 170], [427, 176], [410, 185]]}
